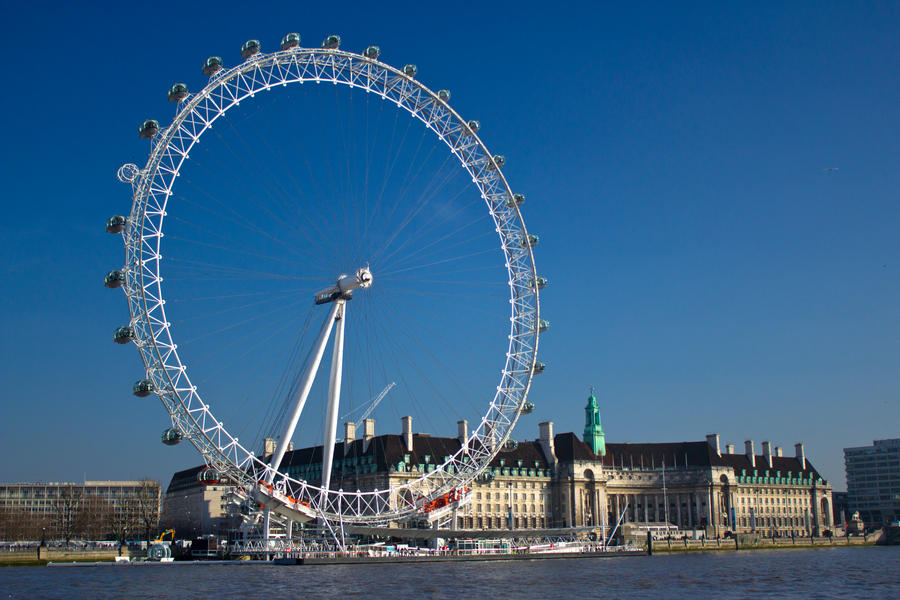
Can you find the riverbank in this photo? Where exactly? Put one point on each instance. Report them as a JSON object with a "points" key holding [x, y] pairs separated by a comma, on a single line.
{"points": [[42, 555], [750, 542]]}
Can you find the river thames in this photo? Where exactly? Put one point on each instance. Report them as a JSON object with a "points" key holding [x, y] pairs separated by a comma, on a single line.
{"points": [[870, 572]]}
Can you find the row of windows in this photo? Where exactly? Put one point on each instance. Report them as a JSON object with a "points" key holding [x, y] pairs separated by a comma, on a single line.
{"points": [[516, 508], [502, 522]]}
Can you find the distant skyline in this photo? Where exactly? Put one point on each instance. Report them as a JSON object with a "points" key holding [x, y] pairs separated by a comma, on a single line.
{"points": [[714, 186]]}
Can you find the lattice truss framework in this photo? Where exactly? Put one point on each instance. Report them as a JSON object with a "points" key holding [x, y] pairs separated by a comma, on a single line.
{"points": [[152, 188]]}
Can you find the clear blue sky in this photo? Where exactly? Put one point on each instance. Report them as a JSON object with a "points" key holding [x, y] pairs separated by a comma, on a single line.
{"points": [[708, 273]]}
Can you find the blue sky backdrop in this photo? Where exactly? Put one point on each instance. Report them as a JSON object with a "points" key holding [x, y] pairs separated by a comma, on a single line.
{"points": [[714, 185]]}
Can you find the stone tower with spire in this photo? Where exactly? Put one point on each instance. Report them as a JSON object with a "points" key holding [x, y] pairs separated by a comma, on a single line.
{"points": [[593, 431]]}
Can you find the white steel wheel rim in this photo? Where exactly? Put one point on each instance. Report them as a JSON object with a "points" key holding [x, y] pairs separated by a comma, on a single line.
{"points": [[152, 187]]}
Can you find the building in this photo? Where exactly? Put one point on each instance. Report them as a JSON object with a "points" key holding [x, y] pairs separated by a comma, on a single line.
{"points": [[91, 510], [559, 480], [195, 505], [873, 481]]}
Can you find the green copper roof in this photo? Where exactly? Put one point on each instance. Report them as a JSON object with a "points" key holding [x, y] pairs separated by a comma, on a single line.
{"points": [[593, 431]]}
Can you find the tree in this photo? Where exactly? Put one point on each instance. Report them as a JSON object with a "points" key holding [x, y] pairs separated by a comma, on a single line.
{"points": [[147, 504], [121, 521], [93, 520], [68, 504]]}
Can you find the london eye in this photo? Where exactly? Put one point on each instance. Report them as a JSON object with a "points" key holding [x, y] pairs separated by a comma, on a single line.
{"points": [[313, 198]]}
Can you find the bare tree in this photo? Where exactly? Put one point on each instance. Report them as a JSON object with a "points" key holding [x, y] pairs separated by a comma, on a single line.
{"points": [[121, 521], [68, 504], [93, 520], [148, 507]]}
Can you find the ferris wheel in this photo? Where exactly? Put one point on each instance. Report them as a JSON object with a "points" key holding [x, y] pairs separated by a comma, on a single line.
{"points": [[339, 247]]}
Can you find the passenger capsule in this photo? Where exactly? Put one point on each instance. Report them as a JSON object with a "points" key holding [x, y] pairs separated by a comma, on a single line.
{"points": [[410, 70], [541, 282], [538, 368], [444, 95], [123, 335], [532, 240], [116, 224], [498, 161], [528, 407], [142, 388], [178, 92], [148, 129], [250, 48], [473, 126], [128, 172], [291, 40], [332, 42], [510, 444], [212, 65], [171, 436], [543, 325], [516, 200], [372, 52], [114, 279], [208, 476]]}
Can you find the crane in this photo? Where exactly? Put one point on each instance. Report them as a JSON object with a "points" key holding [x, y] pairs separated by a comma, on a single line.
{"points": [[375, 403]]}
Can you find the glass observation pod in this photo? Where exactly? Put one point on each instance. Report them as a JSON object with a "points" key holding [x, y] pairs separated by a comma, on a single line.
{"points": [[212, 66], [510, 444], [539, 368], [171, 436], [532, 240], [410, 70], [148, 129], [250, 48], [372, 52], [498, 161], [291, 40], [473, 126], [528, 407], [142, 388], [543, 325], [123, 335], [541, 282], [114, 279], [444, 95], [332, 42], [208, 476], [516, 200], [178, 92], [116, 224]]}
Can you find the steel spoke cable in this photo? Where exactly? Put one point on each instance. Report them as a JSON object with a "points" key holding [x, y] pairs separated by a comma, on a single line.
{"points": [[245, 321], [274, 193], [422, 203], [278, 158], [439, 262]]}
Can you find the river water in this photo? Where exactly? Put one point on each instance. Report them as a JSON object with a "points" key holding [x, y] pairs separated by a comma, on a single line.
{"points": [[868, 572]]}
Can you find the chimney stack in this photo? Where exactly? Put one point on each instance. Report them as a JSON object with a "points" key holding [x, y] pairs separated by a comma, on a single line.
{"points": [[462, 431], [801, 455], [748, 450], [546, 441], [407, 433], [368, 433], [779, 451], [349, 435], [713, 440], [729, 449], [767, 453], [268, 447]]}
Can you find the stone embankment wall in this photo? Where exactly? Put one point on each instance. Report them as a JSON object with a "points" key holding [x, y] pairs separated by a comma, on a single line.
{"points": [[58, 555], [749, 541]]}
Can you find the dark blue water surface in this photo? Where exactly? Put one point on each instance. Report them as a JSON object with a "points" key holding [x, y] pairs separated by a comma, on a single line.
{"points": [[869, 572]]}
